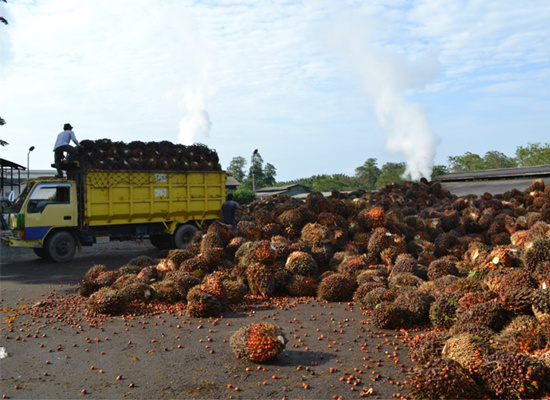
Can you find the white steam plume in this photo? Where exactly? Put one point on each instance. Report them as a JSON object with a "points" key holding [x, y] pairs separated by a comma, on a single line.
{"points": [[195, 123], [387, 79]]}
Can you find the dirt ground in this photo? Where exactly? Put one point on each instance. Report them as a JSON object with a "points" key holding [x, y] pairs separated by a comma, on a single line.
{"points": [[55, 350]]}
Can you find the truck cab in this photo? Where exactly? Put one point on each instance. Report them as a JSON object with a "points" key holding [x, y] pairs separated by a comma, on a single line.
{"points": [[44, 218]]}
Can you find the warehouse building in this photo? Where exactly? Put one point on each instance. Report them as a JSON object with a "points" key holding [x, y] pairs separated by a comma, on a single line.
{"points": [[494, 181]]}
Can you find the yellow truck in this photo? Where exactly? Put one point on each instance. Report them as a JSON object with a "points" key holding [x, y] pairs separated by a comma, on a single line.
{"points": [[55, 216]]}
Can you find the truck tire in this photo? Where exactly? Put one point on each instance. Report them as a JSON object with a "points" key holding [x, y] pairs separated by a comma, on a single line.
{"points": [[183, 235], [60, 246], [40, 252], [161, 242]]}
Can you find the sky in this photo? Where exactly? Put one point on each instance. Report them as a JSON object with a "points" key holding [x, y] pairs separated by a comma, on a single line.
{"points": [[317, 86]]}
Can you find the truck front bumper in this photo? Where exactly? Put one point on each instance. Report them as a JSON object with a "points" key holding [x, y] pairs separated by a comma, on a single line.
{"points": [[12, 241]]}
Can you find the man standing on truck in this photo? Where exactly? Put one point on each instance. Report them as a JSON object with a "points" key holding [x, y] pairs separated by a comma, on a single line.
{"points": [[228, 211], [62, 145]]}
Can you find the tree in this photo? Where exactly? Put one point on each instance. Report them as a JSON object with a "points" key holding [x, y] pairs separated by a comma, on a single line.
{"points": [[256, 172], [236, 168], [439, 170], [270, 172], [390, 173], [533, 154], [243, 196], [467, 162], [496, 159], [367, 174]]}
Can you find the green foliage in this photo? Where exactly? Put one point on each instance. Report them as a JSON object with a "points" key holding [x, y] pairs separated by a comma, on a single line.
{"points": [[390, 173], [236, 168], [496, 159], [256, 172], [533, 154], [270, 172], [474, 162], [367, 174], [467, 162], [243, 196], [439, 170]]}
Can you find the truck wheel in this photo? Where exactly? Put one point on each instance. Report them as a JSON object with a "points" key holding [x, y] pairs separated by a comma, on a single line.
{"points": [[183, 235], [161, 242], [60, 246], [40, 252]]}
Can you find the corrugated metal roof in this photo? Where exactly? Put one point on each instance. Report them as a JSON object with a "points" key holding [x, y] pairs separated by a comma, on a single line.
{"points": [[279, 188], [500, 173], [7, 163], [488, 186]]}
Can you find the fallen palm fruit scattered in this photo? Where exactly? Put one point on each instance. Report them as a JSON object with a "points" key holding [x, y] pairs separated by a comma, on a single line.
{"points": [[475, 269]]}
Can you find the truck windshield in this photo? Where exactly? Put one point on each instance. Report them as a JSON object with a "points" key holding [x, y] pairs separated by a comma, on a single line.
{"points": [[45, 194], [16, 208]]}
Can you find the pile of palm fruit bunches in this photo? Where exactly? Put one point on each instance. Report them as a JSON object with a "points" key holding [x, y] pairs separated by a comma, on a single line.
{"points": [[105, 154], [473, 272]]}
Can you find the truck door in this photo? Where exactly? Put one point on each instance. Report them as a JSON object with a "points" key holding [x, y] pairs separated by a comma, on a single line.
{"points": [[50, 205]]}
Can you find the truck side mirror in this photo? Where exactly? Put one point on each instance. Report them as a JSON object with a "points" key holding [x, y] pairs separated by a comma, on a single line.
{"points": [[11, 196]]}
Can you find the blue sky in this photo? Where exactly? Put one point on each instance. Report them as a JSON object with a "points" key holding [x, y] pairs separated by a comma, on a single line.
{"points": [[317, 86]]}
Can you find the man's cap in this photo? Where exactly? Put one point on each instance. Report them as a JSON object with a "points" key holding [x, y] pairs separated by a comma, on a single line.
{"points": [[67, 127]]}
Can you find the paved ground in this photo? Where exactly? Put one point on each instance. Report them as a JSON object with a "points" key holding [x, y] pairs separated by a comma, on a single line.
{"points": [[55, 350]]}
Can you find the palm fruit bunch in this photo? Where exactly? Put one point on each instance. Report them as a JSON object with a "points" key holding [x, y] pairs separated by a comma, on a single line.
{"points": [[336, 287], [214, 285], [541, 304], [105, 154], [260, 252], [165, 265], [443, 311], [318, 204], [405, 262], [515, 291], [523, 334], [364, 289], [373, 274], [88, 284], [426, 346], [236, 290], [536, 255], [148, 274], [443, 378], [489, 314], [301, 263], [404, 280], [467, 349], [142, 261], [137, 291], [178, 256], [302, 286], [125, 280], [106, 301], [372, 218], [184, 281], [442, 267], [415, 306], [315, 234], [387, 315], [514, 376], [258, 342], [166, 291], [201, 303], [196, 266], [352, 266], [261, 279], [376, 296], [106, 278]]}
